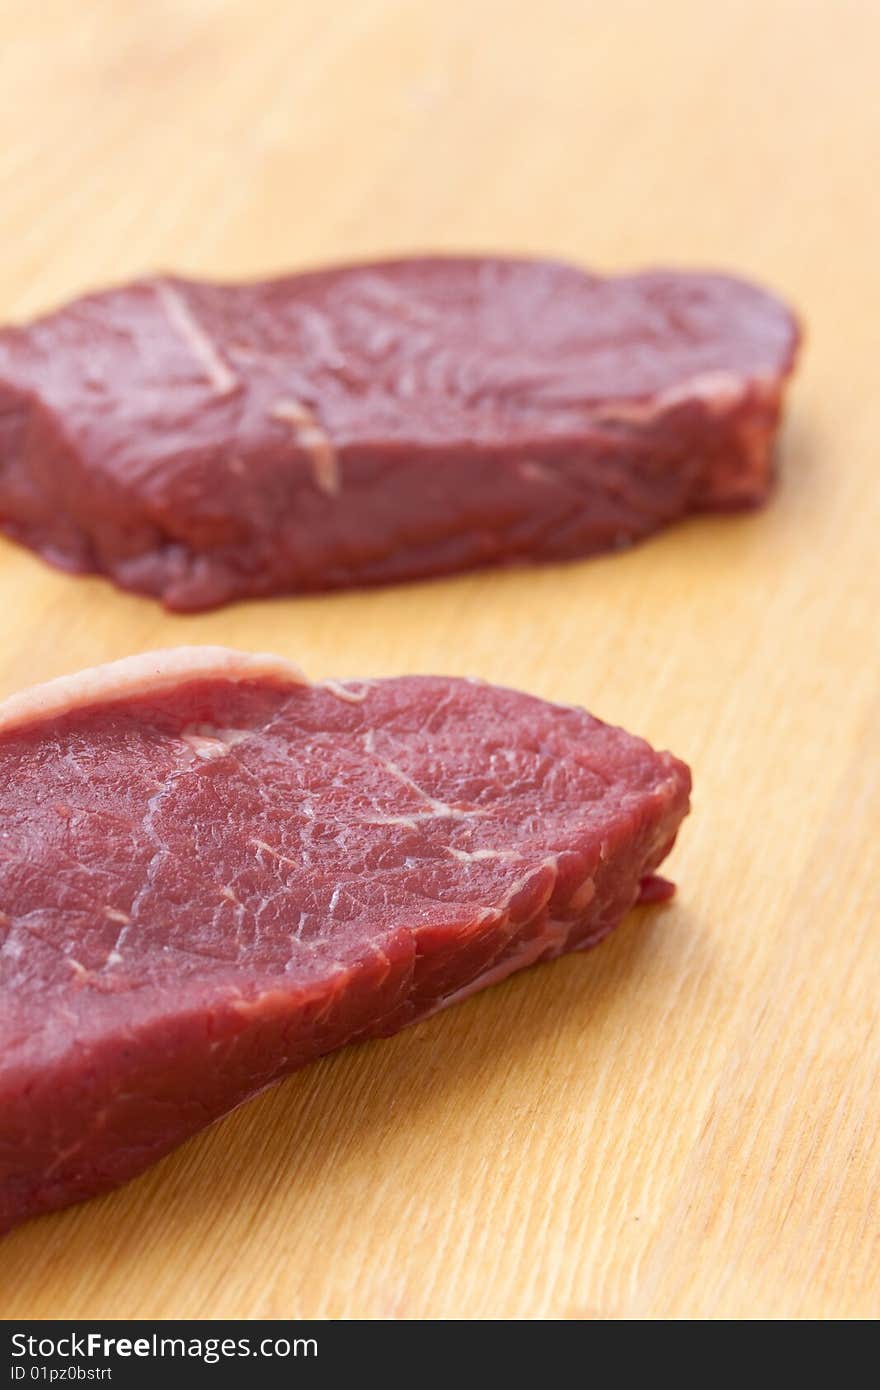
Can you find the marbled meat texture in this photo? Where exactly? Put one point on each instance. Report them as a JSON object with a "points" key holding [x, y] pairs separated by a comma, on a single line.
{"points": [[212, 871], [203, 443]]}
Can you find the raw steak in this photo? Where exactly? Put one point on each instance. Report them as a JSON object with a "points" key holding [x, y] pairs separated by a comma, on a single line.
{"points": [[212, 872], [204, 442]]}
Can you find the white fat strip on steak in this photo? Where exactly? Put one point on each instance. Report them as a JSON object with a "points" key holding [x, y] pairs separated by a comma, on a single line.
{"points": [[151, 673], [179, 315], [312, 437], [209, 742], [436, 809]]}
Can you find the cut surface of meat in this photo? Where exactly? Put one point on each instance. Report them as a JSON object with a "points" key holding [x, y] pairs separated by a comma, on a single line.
{"points": [[202, 442], [212, 871]]}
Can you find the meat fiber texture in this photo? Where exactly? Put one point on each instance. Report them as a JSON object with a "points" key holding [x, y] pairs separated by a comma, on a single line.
{"points": [[212, 871], [203, 443]]}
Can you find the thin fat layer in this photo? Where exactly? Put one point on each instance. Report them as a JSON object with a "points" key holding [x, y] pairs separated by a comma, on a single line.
{"points": [[147, 674]]}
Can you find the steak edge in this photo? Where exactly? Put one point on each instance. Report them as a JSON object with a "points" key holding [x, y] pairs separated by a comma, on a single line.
{"points": [[203, 443], [213, 872]]}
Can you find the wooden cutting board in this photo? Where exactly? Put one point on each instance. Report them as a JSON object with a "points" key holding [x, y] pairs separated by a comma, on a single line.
{"points": [[683, 1123]]}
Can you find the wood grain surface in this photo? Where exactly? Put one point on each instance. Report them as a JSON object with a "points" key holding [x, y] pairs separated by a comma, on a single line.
{"points": [[683, 1123]]}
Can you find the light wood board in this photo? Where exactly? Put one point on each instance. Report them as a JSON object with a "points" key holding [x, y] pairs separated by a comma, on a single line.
{"points": [[683, 1123]]}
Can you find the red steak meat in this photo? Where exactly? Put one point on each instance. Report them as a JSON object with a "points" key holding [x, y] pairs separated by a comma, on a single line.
{"points": [[203, 442], [212, 871]]}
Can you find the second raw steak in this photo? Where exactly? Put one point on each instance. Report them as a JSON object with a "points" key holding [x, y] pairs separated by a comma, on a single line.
{"points": [[212, 872], [203, 443]]}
